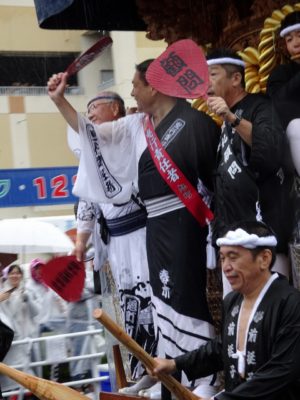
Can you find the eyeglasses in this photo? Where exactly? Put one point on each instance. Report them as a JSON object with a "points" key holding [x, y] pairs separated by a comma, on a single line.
{"points": [[94, 106]]}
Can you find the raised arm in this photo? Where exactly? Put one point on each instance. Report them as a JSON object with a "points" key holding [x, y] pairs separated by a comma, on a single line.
{"points": [[56, 90]]}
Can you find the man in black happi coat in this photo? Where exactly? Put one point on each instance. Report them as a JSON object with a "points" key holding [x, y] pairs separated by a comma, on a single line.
{"points": [[260, 341]]}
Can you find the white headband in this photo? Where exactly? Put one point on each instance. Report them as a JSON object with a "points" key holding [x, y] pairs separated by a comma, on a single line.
{"points": [[289, 29], [239, 237], [226, 60]]}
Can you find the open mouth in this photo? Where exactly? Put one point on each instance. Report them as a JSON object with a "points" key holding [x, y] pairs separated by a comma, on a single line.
{"points": [[231, 279]]}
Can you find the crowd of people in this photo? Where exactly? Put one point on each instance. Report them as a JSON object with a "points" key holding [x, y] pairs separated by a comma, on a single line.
{"points": [[30, 309], [246, 172]]}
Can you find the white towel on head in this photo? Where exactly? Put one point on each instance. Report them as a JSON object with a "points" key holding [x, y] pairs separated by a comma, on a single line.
{"points": [[239, 237]]}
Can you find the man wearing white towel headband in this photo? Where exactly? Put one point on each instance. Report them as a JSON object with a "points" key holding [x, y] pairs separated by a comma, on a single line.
{"points": [[254, 170], [260, 342]]}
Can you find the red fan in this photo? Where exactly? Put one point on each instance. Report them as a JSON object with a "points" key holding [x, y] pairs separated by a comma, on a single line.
{"points": [[89, 55], [180, 71], [65, 275]]}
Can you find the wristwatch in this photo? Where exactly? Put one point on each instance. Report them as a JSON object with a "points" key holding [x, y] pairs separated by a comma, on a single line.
{"points": [[237, 120]]}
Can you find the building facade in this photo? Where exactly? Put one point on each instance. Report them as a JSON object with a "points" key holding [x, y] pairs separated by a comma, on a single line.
{"points": [[33, 133]]}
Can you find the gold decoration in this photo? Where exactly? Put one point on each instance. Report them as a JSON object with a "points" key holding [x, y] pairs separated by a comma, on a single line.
{"points": [[251, 58], [200, 105], [261, 61]]}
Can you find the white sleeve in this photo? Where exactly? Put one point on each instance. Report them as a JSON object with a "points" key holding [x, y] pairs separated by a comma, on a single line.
{"points": [[86, 216], [293, 134], [108, 160]]}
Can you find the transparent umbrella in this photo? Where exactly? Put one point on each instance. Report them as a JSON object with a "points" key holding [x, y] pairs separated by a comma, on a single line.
{"points": [[27, 235]]}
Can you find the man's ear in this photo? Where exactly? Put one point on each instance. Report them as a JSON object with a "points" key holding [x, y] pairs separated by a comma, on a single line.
{"points": [[265, 259], [152, 91], [115, 108], [236, 79]]}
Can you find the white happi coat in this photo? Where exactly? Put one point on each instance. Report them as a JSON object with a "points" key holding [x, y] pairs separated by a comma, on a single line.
{"points": [[121, 144]]}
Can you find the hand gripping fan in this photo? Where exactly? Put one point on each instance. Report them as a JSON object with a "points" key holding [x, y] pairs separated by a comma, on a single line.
{"points": [[65, 275]]}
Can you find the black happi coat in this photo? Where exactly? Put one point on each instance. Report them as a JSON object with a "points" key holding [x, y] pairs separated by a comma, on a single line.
{"points": [[175, 240], [261, 173], [284, 88], [273, 348], [6, 338]]}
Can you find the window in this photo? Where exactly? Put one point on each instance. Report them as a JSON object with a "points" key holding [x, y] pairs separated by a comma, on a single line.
{"points": [[33, 69], [107, 75]]}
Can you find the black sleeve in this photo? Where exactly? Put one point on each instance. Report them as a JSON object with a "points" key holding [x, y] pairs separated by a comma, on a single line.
{"points": [[207, 140], [267, 139], [201, 362], [281, 85], [6, 338]]}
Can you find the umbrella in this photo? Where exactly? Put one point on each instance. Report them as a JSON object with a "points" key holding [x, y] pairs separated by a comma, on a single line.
{"points": [[27, 235]]}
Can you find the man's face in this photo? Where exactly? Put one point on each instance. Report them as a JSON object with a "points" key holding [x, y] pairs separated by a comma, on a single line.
{"points": [[242, 270], [101, 110], [141, 93], [219, 83], [292, 41]]}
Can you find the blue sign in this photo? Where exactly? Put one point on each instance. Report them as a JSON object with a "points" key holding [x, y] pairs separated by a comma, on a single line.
{"points": [[37, 186]]}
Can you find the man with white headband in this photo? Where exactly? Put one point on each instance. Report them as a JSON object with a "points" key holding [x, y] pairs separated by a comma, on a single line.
{"points": [[254, 174], [284, 81], [122, 229], [260, 341], [284, 89]]}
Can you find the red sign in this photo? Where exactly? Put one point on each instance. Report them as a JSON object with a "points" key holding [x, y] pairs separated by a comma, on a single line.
{"points": [[65, 275]]}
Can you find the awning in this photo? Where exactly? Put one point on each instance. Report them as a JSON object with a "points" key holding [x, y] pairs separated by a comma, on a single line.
{"points": [[120, 15], [221, 23], [166, 20]]}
